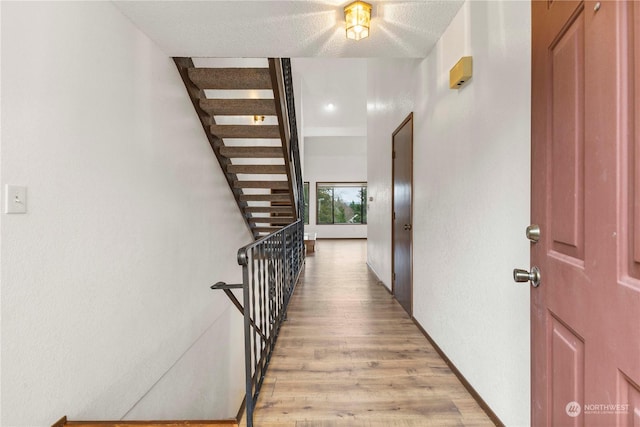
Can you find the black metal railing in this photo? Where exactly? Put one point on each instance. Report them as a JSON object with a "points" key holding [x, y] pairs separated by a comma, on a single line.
{"points": [[271, 267]]}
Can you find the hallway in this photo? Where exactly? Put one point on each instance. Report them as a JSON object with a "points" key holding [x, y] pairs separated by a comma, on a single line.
{"points": [[350, 356]]}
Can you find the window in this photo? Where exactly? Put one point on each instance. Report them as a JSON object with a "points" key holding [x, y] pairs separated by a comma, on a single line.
{"points": [[306, 202], [341, 203]]}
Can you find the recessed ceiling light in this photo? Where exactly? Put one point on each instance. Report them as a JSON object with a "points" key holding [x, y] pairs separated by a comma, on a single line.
{"points": [[330, 107]]}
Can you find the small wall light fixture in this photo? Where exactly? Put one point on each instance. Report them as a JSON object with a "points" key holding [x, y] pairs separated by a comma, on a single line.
{"points": [[258, 119], [460, 74], [358, 18]]}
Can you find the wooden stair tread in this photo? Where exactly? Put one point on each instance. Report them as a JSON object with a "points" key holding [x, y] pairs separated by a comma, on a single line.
{"points": [[230, 78], [257, 169], [239, 107], [246, 131], [247, 175], [271, 219], [262, 184], [249, 152], [265, 198], [265, 229], [268, 209]]}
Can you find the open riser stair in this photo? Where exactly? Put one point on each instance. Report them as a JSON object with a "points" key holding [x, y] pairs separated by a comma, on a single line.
{"points": [[243, 112], [247, 110]]}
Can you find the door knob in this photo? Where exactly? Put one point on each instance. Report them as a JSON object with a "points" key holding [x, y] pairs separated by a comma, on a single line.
{"points": [[524, 276], [407, 227], [533, 232]]}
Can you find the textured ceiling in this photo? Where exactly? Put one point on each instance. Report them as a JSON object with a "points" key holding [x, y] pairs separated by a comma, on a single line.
{"points": [[288, 28], [341, 82], [310, 32]]}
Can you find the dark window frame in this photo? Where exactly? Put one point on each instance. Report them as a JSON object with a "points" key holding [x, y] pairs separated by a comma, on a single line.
{"points": [[338, 184]]}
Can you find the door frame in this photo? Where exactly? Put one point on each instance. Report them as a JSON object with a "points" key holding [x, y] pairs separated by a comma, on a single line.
{"points": [[393, 199]]}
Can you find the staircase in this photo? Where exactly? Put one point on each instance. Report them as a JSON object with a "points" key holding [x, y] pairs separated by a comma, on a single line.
{"points": [[261, 162], [243, 112]]}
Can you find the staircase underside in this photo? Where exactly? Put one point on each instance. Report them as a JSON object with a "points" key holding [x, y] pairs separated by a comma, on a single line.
{"points": [[253, 154]]}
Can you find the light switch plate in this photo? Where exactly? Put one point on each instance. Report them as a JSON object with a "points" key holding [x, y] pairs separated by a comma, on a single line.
{"points": [[15, 201]]}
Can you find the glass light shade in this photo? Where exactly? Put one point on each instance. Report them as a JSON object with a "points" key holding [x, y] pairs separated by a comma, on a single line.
{"points": [[358, 18]]}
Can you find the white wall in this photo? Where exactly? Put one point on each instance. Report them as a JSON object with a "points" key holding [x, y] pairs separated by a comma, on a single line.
{"points": [[106, 311], [334, 159], [471, 197], [390, 98], [0, 215]]}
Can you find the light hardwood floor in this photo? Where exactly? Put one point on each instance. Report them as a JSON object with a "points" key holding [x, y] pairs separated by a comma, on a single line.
{"points": [[349, 355]]}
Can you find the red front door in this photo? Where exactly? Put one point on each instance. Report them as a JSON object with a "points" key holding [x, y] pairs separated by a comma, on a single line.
{"points": [[586, 198]]}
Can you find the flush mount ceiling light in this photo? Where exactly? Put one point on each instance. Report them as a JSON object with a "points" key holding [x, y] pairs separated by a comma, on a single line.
{"points": [[358, 18]]}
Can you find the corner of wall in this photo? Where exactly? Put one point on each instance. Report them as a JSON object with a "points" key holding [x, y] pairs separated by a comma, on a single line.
{"points": [[391, 89], [1, 196], [334, 159]]}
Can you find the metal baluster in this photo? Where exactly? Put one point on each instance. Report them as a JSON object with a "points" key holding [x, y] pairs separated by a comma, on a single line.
{"points": [[248, 366], [254, 259], [273, 286], [263, 279], [280, 288]]}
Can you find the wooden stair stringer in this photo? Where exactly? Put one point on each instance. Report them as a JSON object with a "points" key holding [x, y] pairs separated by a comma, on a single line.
{"points": [[277, 82]]}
